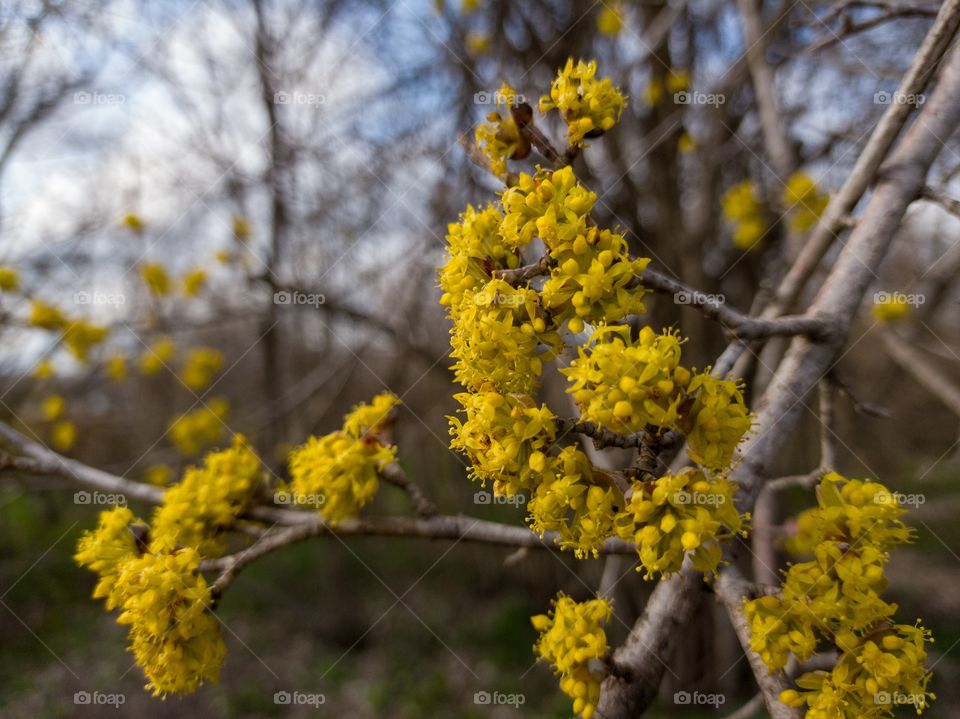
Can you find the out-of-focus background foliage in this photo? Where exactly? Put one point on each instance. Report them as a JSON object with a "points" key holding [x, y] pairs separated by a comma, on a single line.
{"points": [[313, 145]]}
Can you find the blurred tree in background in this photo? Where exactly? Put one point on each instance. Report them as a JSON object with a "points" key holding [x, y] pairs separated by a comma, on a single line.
{"points": [[227, 217]]}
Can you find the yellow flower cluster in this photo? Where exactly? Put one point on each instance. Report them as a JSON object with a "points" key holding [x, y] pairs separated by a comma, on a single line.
{"points": [[104, 550], [680, 515], [475, 249], [496, 336], [803, 201], [208, 499], [337, 473], [173, 636], [156, 278], [835, 598], [743, 209], [674, 81], [203, 427], [116, 368], [500, 138], [610, 19], [550, 205], [590, 106], [46, 316], [716, 422], [504, 436], [133, 223], [573, 641], [568, 501], [200, 366]]}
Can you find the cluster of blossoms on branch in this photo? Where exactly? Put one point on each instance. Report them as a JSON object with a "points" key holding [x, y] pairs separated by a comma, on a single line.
{"points": [[150, 573], [524, 278], [834, 601]]}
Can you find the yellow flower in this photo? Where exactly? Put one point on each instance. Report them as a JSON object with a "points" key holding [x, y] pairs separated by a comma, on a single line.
{"points": [[588, 105], [478, 43], [573, 641], [157, 356], [890, 306], [716, 421], [159, 475], [116, 368], [686, 143], [201, 365], [156, 278], [63, 435], [45, 369], [201, 428], [500, 138], [81, 335], [241, 228], [133, 223], [803, 201], [225, 257], [610, 19], [46, 316], [367, 419], [53, 407], [9, 279], [193, 282], [742, 207]]}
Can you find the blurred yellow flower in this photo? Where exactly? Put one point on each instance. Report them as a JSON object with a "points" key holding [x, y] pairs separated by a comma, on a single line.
{"points": [[155, 357], [116, 368], [133, 223], [63, 435], [193, 282], [156, 278], [46, 316], [241, 228], [158, 475], [44, 369], [9, 279], [53, 406]]}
